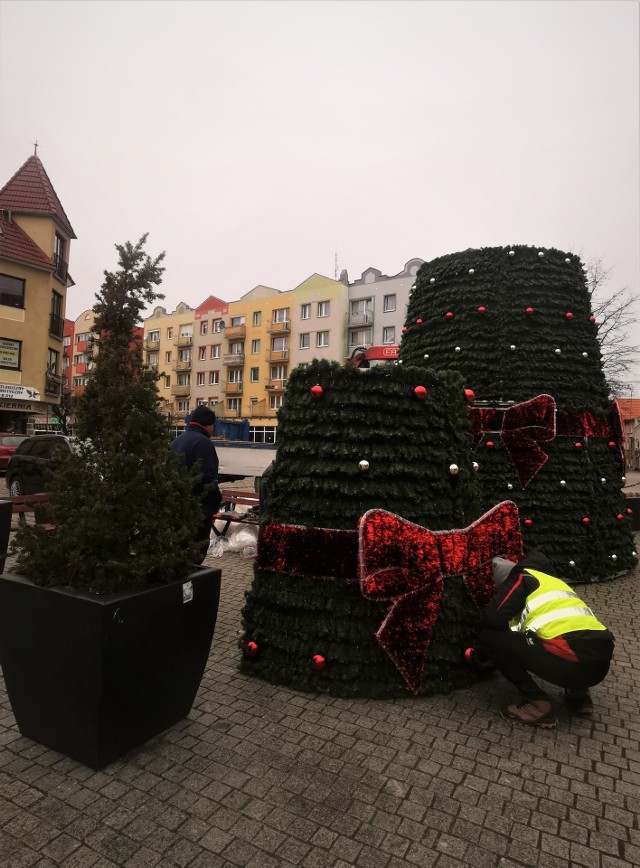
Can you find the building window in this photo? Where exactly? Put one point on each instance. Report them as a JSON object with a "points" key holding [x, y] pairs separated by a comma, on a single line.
{"points": [[234, 405], [167, 380], [360, 337], [305, 342], [167, 357], [256, 319], [202, 354], [204, 327], [215, 351], [169, 334], [254, 375], [10, 354], [389, 303], [279, 372], [234, 375], [152, 360], [59, 259], [275, 401], [214, 378], [184, 356], [218, 325], [237, 321], [262, 435], [53, 357], [279, 345], [281, 315], [255, 348], [322, 339], [323, 308], [201, 402], [184, 379], [361, 307], [389, 335], [153, 336], [56, 321], [305, 311], [184, 406], [236, 348], [200, 378]]}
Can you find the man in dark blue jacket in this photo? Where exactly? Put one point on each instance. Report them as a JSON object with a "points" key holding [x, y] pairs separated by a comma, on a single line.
{"points": [[195, 446]]}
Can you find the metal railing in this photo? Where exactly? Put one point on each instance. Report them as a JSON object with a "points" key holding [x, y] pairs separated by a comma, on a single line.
{"points": [[60, 267], [56, 325]]}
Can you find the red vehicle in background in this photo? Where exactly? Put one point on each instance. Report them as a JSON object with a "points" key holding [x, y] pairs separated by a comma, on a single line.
{"points": [[8, 444]]}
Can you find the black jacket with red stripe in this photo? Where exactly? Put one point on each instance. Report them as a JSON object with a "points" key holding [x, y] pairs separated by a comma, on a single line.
{"points": [[510, 599]]}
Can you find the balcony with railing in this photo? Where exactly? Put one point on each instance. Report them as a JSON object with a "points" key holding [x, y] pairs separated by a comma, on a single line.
{"points": [[151, 344], [181, 391], [233, 359], [234, 333], [277, 355], [279, 328], [360, 318], [232, 389], [259, 408], [183, 341], [60, 267], [56, 326], [181, 366], [276, 385], [52, 383]]}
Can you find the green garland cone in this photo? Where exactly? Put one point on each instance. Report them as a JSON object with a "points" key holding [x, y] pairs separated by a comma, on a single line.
{"points": [[316, 481], [516, 322]]}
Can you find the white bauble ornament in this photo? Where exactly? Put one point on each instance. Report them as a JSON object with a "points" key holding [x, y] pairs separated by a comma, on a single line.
{"points": [[476, 466], [572, 563], [557, 351], [567, 260], [426, 356], [433, 280], [457, 349], [563, 482], [471, 271], [364, 465], [541, 254], [512, 348], [509, 486], [454, 469], [614, 557], [512, 253], [585, 355]]}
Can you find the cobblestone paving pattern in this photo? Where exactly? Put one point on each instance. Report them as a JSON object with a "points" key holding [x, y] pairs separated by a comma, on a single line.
{"points": [[260, 775]]}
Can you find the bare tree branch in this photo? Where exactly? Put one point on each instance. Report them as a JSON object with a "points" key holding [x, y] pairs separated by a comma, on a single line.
{"points": [[615, 312]]}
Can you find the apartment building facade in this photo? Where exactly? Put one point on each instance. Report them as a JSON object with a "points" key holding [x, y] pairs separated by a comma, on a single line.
{"points": [[378, 306], [168, 347], [207, 370], [319, 313], [35, 239]]}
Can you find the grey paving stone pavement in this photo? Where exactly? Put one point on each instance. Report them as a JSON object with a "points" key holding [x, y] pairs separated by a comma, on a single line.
{"points": [[261, 775]]}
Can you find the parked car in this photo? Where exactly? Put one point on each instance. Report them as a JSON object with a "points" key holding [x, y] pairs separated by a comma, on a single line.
{"points": [[26, 471], [8, 445]]}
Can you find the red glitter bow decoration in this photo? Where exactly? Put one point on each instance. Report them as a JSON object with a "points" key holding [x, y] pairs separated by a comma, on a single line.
{"points": [[406, 563], [521, 428]]}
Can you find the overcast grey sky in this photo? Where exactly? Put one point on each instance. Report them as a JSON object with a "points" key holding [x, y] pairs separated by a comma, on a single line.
{"points": [[253, 140]]}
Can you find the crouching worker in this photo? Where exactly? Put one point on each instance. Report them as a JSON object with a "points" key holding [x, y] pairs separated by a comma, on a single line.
{"points": [[195, 446], [536, 624]]}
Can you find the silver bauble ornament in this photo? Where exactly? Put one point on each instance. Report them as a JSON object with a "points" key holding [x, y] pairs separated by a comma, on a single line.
{"points": [[512, 253], [563, 482], [454, 469], [476, 466], [471, 271], [509, 486], [572, 563], [432, 280], [512, 348], [457, 349], [364, 465], [541, 254], [557, 351]]}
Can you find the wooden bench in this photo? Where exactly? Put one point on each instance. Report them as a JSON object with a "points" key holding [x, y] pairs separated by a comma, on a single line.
{"points": [[232, 497]]}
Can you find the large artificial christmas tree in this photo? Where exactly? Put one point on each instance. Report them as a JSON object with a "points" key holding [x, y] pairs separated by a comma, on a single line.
{"points": [[351, 594], [517, 323]]}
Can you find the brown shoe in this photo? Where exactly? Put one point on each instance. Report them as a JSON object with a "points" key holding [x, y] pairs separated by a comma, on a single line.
{"points": [[531, 712]]}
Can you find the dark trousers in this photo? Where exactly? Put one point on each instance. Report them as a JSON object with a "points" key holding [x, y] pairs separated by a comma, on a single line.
{"points": [[203, 537], [516, 656]]}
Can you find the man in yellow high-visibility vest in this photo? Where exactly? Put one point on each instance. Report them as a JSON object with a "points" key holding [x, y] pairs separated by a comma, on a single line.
{"points": [[537, 624]]}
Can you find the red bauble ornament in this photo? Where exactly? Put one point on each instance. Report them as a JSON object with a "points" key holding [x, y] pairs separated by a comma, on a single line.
{"points": [[578, 444], [528, 522], [449, 314], [629, 511], [569, 315], [469, 394], [490, 444], [420, 392], [620, 516], [529, 310], [251, 648], [318, 661], [419, 321], [586, 520], [592, 319], [482, 309], [612, 444], [317, 391], [404, 329]]}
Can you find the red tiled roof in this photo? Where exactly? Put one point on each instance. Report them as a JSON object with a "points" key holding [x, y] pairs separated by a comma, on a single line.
{"points": [[31, 192], [629, 407], [15, 244]]}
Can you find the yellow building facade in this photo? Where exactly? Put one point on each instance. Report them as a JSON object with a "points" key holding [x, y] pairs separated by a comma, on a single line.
{"points": [[35, 238], [168, 347]]}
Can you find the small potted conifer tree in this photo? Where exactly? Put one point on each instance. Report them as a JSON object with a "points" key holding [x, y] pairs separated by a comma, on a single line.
{"points": [[106, 624]]}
